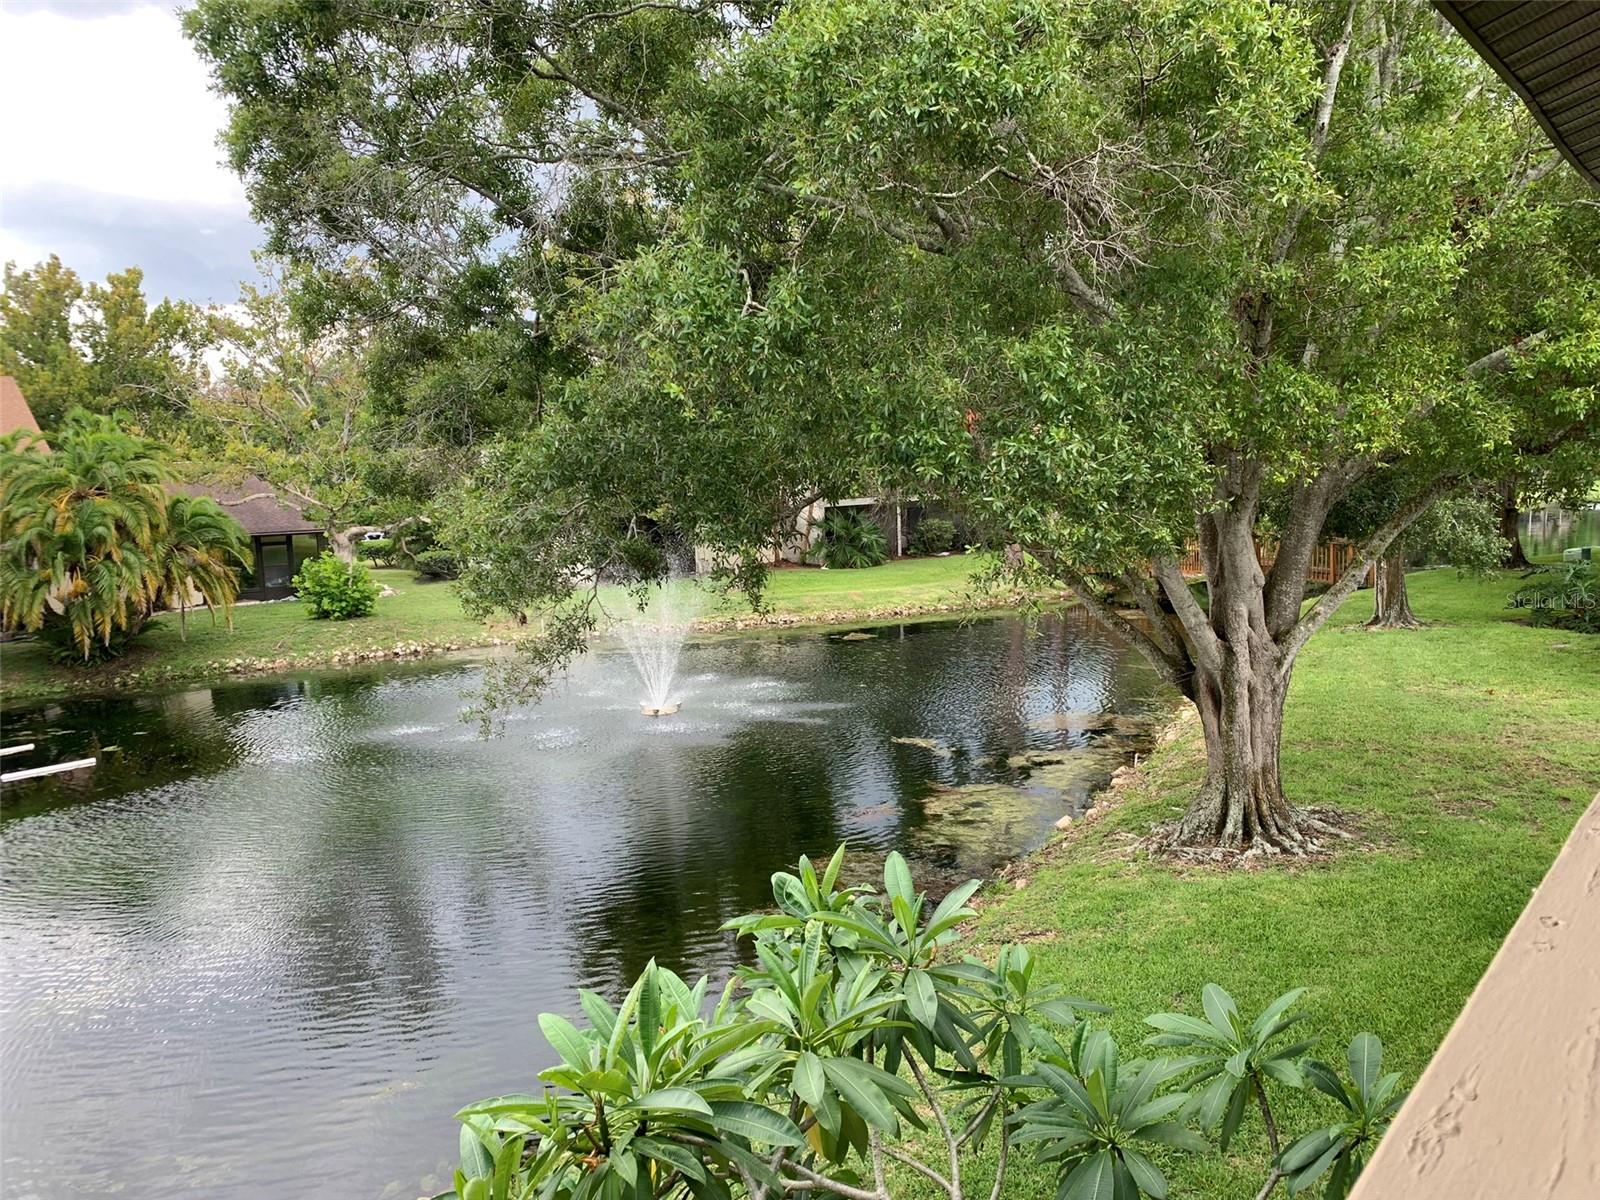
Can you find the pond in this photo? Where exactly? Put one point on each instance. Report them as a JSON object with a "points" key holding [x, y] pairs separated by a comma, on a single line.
{"points": [[1546, 532], [287, 927]]}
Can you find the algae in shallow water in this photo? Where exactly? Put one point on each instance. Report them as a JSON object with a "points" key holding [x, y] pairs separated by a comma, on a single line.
{"points": [[1088, 722], [979, 825]]}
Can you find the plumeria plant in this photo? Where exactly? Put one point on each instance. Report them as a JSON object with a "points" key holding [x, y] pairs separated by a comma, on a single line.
{"points": [[862, 1055]]}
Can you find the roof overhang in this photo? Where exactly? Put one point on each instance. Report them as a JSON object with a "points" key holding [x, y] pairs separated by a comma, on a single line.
{"points": [[1548, 51]]}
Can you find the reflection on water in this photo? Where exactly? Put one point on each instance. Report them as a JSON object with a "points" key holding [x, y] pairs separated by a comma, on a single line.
{"points": [[287, 928], [1546, 532]]}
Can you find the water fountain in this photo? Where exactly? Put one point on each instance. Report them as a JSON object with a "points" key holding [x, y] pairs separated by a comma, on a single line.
{"points": [[654, 636]]}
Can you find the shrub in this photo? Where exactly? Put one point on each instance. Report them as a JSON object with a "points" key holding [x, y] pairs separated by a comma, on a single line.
{"points": [[436, 564], [850, 540], [336, 590], [375, 550], [933, 535], [1567, 596], [858, 1018]]}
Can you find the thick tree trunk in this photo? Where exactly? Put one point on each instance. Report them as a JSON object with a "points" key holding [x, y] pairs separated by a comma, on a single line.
{"points": [[343, 541], [1239, 686], [1234, 655], [1241, 802], [1391, 606], [1510, 519]]}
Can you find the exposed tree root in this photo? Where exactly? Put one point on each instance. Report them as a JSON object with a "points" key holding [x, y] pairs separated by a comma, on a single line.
{"points": [[1402, 620], [1317, 834]]}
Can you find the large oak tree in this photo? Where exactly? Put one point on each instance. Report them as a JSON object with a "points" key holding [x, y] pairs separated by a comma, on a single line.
{"points": [[1112, 276]]}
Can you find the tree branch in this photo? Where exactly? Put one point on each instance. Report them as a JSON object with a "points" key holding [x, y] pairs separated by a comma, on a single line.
{"points": [[248, 499], [1371, 551], [1322, 118], [1202, 638], [953, 1183], [1000, 1166], [1149, 603], [1500, 360], [922, 1168], [697, 10], [1179, 674], [1337, 53], [1308, 511], [1528, 178], [554, 70], [1082, 294], [862, 212], [1266, 1117]]}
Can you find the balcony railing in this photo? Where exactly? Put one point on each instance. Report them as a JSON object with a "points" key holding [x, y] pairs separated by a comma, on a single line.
{"points": [[1329, 560]]}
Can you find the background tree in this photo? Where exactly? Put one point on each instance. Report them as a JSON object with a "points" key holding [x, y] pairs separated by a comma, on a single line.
{"points": [[286, 406], [92, 543], [482, 191], [1512, 554], [101, 347], [1462, 530], [1108, 276]]}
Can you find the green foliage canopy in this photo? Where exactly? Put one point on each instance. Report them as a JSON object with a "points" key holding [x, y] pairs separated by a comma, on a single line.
{"points": [[100, 347], [1105, 277], [1070, 265]]}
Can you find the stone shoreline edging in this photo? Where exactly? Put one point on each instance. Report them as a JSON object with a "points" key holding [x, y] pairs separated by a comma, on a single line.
{"points": [[1018, 872], [865, 616], [155, 676], [250, 666]]}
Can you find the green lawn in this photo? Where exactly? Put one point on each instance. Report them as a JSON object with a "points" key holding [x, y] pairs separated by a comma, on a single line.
{"points": [[280, 636], [909, 583], [1467, 750], [426, 613]]}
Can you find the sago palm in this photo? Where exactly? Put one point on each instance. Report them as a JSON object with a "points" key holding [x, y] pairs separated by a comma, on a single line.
{"points": [[202, 554], [86, 546]]}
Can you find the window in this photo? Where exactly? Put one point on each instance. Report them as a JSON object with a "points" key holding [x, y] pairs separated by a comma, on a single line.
{"points": [[273, 568], [306, 545]]}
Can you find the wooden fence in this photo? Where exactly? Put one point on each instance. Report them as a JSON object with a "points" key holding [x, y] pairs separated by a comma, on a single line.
{"points": [[1328, 561]]}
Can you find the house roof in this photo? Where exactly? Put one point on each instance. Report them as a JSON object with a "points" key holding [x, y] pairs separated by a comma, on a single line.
{"points": [[14, 411], [1548, 51], [254, 504]]}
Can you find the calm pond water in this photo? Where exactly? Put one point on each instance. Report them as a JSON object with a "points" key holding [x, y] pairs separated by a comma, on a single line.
{"points": [[287, 927], [1549, 531]]}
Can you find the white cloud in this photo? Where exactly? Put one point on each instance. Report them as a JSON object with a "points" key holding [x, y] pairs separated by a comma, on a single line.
{"points": [[108, 101]]}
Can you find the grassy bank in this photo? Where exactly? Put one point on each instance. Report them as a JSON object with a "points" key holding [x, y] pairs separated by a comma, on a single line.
{"points": [[417, 618], [1467, 750], [422, 618], [910, 584]]}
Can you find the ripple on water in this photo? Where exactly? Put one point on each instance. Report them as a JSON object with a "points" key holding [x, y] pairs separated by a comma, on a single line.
{"points": [[318, 913]]}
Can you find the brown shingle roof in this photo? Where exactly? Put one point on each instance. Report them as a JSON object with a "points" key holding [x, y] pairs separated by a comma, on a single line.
{"points": [[1549, 53], [254, 504], [14, 411]]}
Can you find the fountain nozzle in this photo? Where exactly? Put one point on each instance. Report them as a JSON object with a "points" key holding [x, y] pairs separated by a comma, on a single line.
{"points": [[664, 709]]}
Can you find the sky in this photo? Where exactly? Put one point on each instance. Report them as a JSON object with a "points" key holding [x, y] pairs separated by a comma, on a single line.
{"points": [[108, 149]]}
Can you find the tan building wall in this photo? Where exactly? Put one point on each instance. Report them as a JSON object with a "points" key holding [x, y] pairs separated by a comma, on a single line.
{"points": [[1510, 1105]]}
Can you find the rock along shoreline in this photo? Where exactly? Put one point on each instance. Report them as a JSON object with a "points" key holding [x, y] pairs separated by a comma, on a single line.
{"points": [[154, 676]]}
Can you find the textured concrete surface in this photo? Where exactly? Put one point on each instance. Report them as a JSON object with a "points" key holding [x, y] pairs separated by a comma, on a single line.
{"points": [[1510, 1105]]}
